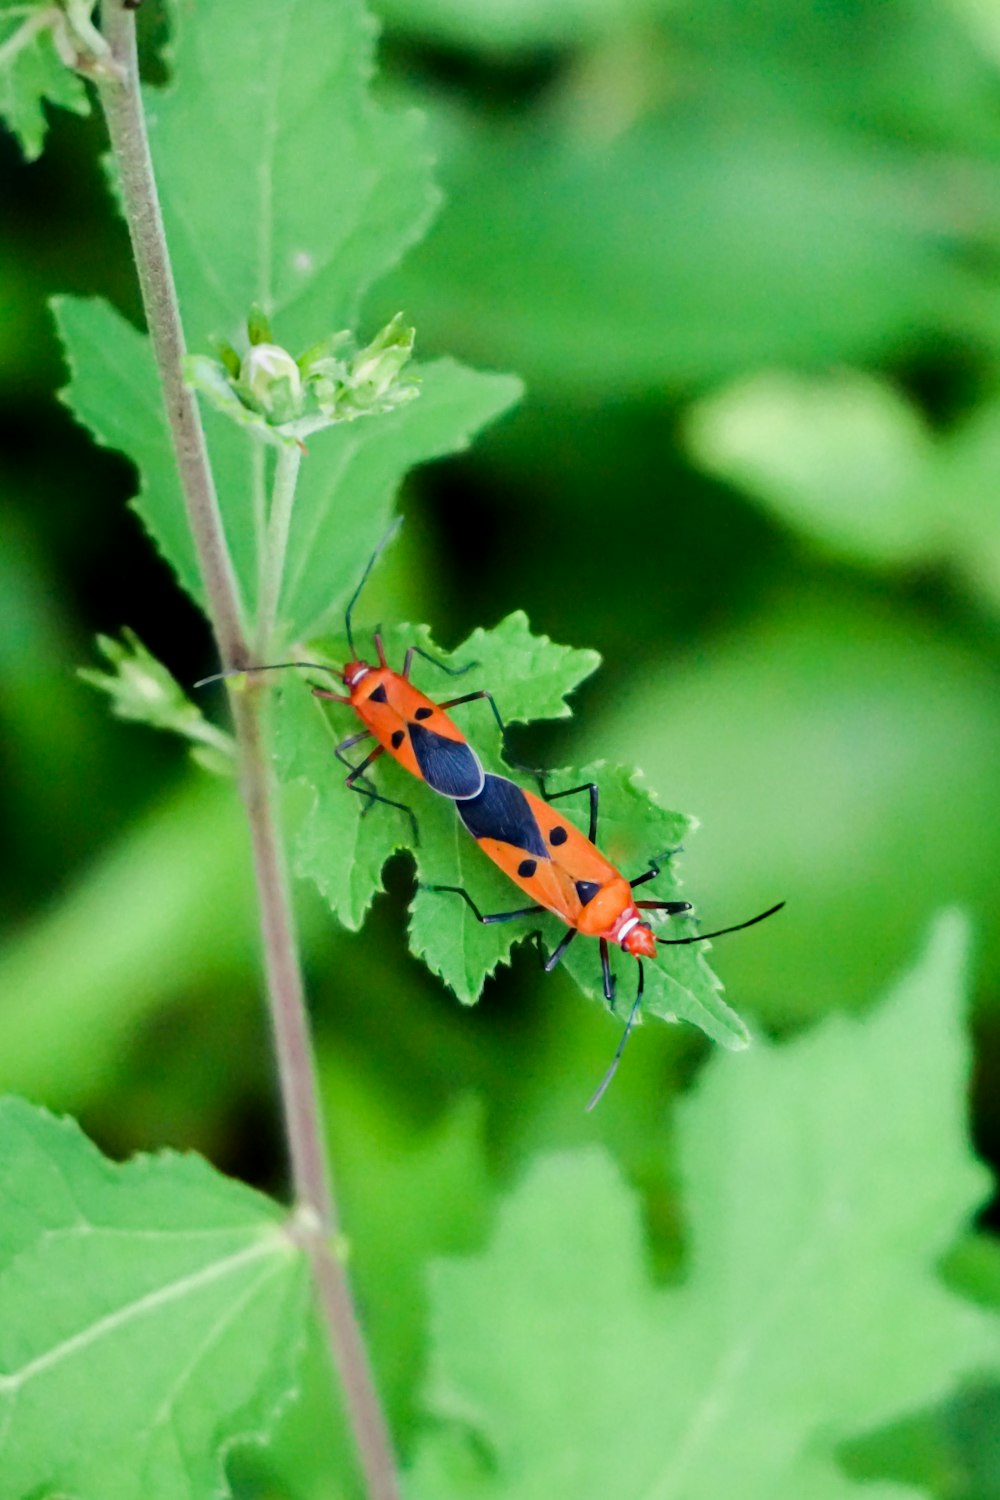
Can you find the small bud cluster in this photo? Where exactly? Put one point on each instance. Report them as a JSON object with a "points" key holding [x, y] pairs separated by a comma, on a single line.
{"points": [[284, 399], [141, 689]]}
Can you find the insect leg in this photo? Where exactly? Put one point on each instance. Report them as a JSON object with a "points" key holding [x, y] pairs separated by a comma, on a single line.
{"points": [[365, 788], [609, 978], [435, 662], [489, 917], [333, 697], [655, 866]]}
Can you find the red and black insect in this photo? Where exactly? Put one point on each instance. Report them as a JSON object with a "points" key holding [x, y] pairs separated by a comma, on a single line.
{"points": [[407, 724], [567, 874]]}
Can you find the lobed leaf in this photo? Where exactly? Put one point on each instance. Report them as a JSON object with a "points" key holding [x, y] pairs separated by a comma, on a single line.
{"points": [[823, 1182], [273, 215], [32, 73], [340, 844], [150, 1314]]}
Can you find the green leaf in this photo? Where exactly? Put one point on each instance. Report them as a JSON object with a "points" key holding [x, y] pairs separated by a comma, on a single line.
{"points": [[310, 192], [275, 217], [812, 1308], [342, 848], [113, 389], [32, 72], [350, 477], [847, 462], [156, 1307], [841, 458]]}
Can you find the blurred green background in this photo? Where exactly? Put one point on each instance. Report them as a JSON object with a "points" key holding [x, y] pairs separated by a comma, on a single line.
{"points": [[748, 262]]}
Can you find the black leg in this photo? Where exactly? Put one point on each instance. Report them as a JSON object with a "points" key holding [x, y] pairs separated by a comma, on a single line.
{"points": [[609, 978], [365, 789], [548, 964], [655, 866], [672, 908], [452, 671], [348, 744], [490, 917], [602, 1086]]}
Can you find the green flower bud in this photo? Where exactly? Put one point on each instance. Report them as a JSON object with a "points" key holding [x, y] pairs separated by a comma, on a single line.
{"points": [[270, 382]]}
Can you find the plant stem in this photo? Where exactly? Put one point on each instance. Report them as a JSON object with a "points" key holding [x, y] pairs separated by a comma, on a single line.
{"points": [[279, 520], [120, 97]]}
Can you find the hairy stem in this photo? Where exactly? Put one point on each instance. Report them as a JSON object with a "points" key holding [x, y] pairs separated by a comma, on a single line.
{"points": [[279, 520], [122, 105]]}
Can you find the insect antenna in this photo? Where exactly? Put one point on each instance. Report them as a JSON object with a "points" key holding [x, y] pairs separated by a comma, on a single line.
{"points": [[274, 666], [702, 937], [397, 523], [603, 1085]]}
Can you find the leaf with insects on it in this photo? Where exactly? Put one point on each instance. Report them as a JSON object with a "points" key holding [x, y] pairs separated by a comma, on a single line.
{"points": [[32, 74], [150, 1314], [342, 846], [823, 1181], [632, 829]]}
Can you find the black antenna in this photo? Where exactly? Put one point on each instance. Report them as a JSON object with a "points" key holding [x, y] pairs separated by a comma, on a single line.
{"points": [[602, 1086], [397, 523], [274, 666], [702, 937]]}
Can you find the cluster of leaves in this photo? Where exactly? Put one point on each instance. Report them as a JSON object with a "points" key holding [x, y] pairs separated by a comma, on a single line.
{"points": [[813, 1313]]}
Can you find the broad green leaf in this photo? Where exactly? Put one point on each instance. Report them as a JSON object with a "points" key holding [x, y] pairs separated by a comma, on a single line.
{"points": [[149, 1314], [32, 73], [113, 389], [823, 1181], [276, 214], [310, 191], [350, 477]]}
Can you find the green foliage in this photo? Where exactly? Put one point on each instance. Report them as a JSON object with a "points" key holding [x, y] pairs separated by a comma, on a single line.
{"points": [[142, 690], [848, 463], [811, 1309], [289, 81], [156, 1307], [35, 40]]}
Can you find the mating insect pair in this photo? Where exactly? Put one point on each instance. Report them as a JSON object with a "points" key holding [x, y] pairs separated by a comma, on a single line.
{"points": [[548, 857]]}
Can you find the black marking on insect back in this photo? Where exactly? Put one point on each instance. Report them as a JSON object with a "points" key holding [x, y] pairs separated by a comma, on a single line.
{"points": [[558, 835], [527, 868], [501, 812], [448, 766], [586, 890], [398, 736], [423, 713], [379, 695]]}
